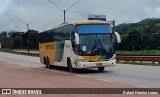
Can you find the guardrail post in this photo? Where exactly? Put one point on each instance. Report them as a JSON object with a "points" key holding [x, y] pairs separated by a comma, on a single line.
{"points": [[140, 61], [134, 61], [153, 62], [118, 60]]}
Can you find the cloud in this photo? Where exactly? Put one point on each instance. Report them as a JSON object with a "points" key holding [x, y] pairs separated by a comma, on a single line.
{"points": [[4, 5], [123, 11]]}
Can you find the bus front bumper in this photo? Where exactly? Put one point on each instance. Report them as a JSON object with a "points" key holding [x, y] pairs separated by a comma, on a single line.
{"points": [[97, 64]]}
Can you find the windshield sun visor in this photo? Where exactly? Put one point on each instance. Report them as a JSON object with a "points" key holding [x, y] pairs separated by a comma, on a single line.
{"points": [[94, 29]]}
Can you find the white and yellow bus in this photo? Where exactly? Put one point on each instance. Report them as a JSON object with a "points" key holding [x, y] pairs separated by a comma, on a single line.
{"points": [[81, 44]]}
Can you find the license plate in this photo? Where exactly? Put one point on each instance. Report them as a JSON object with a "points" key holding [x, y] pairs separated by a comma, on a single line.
{"points": [[99, 64]]}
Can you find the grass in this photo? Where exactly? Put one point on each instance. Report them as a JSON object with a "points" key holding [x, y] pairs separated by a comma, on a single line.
{"points": [[145, 52], [137, 63]]}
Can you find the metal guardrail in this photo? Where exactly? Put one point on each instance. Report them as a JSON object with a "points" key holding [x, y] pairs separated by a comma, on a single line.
{"points": [[21, 53], [141, 59]]}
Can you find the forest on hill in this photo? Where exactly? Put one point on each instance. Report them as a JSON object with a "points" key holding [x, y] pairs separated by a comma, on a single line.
{"points": [[144, 35]]}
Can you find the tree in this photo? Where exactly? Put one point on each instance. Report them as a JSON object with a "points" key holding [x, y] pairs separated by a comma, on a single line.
{"points": [[134, 39], [17, 42], [33, 39], [5, 40], [155, 38]]}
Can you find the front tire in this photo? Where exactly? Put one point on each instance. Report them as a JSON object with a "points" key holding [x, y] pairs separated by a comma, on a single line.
{"points": [[70, 69], [100, 69]]}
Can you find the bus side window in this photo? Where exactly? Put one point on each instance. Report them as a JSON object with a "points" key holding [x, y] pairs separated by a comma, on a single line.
{"points": [[57, 35], [66, 32], [53, 35], [72, 35]]}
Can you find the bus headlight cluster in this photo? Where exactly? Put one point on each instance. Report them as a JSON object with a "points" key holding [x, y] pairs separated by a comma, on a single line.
{"points": [[83, 60]]}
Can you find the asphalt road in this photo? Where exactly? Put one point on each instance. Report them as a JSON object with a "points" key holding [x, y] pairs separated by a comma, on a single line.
{"points": [[135, 75]]}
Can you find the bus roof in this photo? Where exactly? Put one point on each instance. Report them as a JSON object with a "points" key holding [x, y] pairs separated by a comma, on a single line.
{"points": [[82, 22], [90, 22]]}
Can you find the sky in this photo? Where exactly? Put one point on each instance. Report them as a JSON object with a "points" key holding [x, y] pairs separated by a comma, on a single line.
{"points": [[48, 15]]}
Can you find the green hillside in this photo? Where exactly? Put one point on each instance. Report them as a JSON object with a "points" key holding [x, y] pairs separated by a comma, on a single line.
{"points": [[144, 35]]}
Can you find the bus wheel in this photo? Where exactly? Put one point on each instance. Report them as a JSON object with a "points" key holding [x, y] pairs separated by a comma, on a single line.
{"points": [[47, 63], [70, 69], [100, 69]]}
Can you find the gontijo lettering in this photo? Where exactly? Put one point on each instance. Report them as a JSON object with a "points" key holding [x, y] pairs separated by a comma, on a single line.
{"points": [[49, 47]]}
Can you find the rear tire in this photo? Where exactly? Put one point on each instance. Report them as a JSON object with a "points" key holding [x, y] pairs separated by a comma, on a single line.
{"points": [[47, 63], [70, 69], [100, 69]]}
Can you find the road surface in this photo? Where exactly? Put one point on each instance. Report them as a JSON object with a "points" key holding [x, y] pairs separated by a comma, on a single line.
{"points": [[135, 75]]}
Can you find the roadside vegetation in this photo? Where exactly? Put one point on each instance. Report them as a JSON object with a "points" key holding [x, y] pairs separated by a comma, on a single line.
{"points": [[140, 53], [19, 40]]}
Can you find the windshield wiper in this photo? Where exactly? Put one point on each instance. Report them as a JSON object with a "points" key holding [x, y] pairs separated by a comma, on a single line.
{"points": [[93, 47], [102, 46]]}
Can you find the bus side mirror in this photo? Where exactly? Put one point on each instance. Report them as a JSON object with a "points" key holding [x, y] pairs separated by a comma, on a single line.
{"points": [[76, 39], [117, 37]]}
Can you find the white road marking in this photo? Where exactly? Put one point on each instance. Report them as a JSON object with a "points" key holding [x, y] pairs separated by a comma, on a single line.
{"points": [[140, 86], [82, 76], [104, 80], [93, 78]]}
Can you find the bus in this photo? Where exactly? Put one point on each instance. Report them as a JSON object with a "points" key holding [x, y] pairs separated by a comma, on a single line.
{"points": [[80, 44]]}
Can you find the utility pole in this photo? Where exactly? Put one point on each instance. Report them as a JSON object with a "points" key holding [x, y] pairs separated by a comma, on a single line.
{"points": [[113, 26], [11, 30], [27, 24], [64, 11], [64, 16], [1, 42]]}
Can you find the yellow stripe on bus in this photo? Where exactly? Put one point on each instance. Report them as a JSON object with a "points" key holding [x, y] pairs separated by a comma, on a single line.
{"points": [[92, 58]]}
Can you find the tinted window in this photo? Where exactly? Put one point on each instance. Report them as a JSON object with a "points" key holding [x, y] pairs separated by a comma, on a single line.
{"points": [[46, 36], [57, 34]]}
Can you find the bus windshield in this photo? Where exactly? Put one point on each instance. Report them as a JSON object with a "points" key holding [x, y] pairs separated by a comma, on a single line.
{"points": [[95, 40]]}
